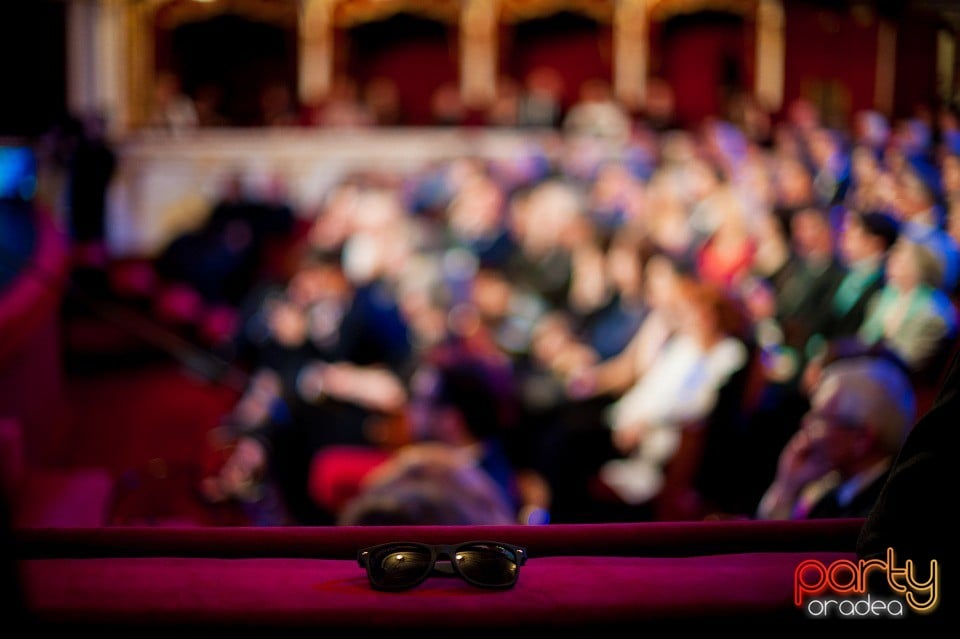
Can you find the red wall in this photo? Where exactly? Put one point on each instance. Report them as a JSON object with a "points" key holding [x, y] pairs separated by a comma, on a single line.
{"points": [[825, 46], [916, 71], [690, 55]]}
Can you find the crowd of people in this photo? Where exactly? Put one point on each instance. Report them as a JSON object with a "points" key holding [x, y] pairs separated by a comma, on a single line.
{"points": [[540, 99], [726, 321]]}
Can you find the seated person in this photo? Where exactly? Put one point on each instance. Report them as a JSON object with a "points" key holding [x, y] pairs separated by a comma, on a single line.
{"points": [[679, 389], [804, 296], [615, 375], [835, 465], [224, 258], [865, 240], [911, 314]]}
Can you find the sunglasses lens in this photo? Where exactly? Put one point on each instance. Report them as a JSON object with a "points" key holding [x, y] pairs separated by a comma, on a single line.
{"points": [[488, 565], [398, 566]]}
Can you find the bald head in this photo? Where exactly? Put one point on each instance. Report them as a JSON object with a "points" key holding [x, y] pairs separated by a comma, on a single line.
{"points": [[871, 393]]}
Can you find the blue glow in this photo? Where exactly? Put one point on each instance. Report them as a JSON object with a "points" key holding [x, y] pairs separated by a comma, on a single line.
{"points": [[18, 173]]}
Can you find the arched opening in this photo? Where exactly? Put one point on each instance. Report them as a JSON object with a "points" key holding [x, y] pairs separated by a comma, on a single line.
{"points": [[703, 57], [414, 55], [576, 46], [239, 71]]}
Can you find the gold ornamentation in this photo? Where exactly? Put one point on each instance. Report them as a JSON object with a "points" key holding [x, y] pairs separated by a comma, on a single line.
{"points": [[350, 13], [666, 9]]}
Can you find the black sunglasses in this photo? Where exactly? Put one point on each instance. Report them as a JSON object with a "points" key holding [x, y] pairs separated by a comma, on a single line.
{"points": [[405, 564]]}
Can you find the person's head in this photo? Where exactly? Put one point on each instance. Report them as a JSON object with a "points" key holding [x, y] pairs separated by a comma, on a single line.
{"points": [[319, 277], [912, 264], [950, 177], [624, 264], [793, 182], [477, 210], [864, 165], [551, 209], [428, 485], [731, 212], [551, 336], [463, 398], [812, 233], [872, 128], [595, 90], [840, 348], [660, 278], [803, 114], [660, 102], [867, 235], [544, 82], [860, 413], [383, 97], [953, 223], [916, 188], [166, 87], [707, 313], [823, 145], [343, 89]]}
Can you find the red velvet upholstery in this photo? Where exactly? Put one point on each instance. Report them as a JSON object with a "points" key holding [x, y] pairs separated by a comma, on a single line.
{"points": [[178, 304], [68, 498], [337, 472], [43, 497], [578, 576], [30, 366], [133, 278]]}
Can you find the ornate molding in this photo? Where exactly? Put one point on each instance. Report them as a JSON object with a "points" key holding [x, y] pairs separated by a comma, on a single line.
{"points": [[174, 13], [521, 10], [665, 9], [350, 13]]}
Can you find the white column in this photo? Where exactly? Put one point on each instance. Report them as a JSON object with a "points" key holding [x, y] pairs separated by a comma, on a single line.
{"points": [[946, 64], [884, 83], [478, 52], [111, 61], [81, 63], [316, 50], [631, 51], [96, 60], [770, 54]]}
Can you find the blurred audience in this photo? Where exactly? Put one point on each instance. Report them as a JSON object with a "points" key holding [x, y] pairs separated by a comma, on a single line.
{"points": [[597, 113], [172, 109], [540, 103], [619, 294], [221, 259]]}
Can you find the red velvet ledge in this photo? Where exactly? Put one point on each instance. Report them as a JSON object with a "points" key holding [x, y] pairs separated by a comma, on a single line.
{"points": [[578, 576]]}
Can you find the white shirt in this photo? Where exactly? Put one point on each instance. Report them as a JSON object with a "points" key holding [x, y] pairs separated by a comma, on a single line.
{"points": [[680, 385]]}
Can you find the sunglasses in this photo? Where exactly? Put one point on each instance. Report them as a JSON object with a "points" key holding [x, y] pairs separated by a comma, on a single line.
{"points": [[402, 565]]}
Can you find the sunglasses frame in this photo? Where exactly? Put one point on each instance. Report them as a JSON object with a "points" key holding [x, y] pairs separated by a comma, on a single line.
{"points": [[436, 552]]}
